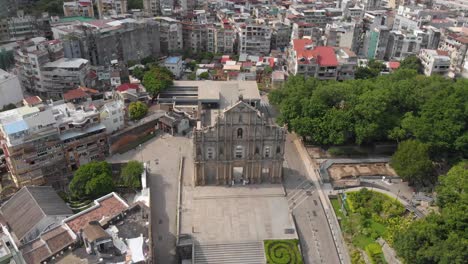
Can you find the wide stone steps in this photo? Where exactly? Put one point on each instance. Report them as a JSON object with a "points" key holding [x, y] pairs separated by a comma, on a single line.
{"points": [[230, 253]]}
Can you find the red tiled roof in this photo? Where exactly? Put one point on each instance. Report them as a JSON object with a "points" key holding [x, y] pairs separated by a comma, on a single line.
{"points": [[92, 75], [79, 92], [124, 87], [225, 58], [325, 56], [442, 52], [105, 208], [394, 65], [33, 100], [271, 60]]}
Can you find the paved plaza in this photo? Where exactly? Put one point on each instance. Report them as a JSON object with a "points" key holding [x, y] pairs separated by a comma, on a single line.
{"points": [[163, 155], [233, 214]]}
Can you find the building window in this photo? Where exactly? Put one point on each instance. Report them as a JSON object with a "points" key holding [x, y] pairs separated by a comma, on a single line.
{"points": [[239, 133], [239, 152], [210, 153], [240, 118], [267, 152], [278, 150]]}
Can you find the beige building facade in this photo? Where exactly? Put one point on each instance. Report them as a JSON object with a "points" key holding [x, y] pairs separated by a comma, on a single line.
{"points": [[241, 147]]}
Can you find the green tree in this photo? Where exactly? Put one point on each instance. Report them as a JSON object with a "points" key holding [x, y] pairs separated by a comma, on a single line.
{"points": [[411, 63], [138, 72], [411, 162], [453, 187], [92, 180], [131, 174], [137, 110], [372, 70], [8, 107], [204, 76], [156, 80], [192, 76]]}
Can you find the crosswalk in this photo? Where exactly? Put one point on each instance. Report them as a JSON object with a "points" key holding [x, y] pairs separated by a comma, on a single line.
{"points": [[300, 194]]}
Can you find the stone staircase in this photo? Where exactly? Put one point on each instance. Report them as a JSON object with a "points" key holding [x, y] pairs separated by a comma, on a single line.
{"points": [[230, 253]]}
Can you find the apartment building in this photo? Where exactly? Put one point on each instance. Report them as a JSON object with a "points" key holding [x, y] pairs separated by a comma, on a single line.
{"points": [[107, 8], [42, 70], [455, 42], [65, 74], [377, 42], [44, 143], [81, 132], [10, 89], [341, 34], [198, 37], [171, 37], [435, 61], [322, 62], [225, 38], [81, 8], [402, 44], [32, 147], [306, 30], [103, 41], [254, 37], [21, 27], [281, 35]]}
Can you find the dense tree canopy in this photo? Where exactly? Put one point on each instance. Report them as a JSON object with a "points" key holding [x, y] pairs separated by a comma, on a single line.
{"points": [[440, 238], [131, 174], [92, 180], [411, 63], [137, 110], [157, 79], [394, 107], [372, 70], [411, 162]]}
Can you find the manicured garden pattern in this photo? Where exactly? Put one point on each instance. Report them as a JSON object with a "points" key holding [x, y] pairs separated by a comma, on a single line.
{"points": [[284, 251]]}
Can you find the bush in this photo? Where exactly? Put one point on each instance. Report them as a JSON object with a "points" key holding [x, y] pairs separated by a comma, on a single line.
{"points": [[374, 251], [137, 110], [131, 174], [92, 180], [282, 251]]}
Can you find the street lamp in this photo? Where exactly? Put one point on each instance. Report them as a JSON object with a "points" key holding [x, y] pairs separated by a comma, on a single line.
{"points": [[141, 153]]}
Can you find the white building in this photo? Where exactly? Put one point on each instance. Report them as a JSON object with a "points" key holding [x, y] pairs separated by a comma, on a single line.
{"points": [[10, 89], [113, 116], [174, 64], [435, 61]]}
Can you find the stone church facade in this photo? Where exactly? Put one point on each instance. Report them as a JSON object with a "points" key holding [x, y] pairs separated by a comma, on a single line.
{"points": [[241, 147]]}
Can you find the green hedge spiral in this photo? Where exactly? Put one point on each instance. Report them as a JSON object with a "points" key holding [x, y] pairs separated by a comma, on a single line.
{"points": [[282, 251]]}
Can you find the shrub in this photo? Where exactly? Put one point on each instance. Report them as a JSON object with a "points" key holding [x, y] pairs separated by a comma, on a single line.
{"points": [[282, 251]]}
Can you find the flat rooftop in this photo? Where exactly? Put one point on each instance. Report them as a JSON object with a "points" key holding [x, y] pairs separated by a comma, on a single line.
{"points": [[66, 63], [214, 214], [224, 93]]}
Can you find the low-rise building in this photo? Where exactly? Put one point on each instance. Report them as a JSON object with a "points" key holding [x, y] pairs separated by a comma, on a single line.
{"points": [[322, 62], [33, 210], [434, 62], [174, 64], [113, 116], [10, 89]]}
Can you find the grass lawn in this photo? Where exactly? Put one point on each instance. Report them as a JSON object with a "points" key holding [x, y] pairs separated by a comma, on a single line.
{"points": [[337, 207], [361, 241]]}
